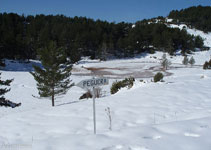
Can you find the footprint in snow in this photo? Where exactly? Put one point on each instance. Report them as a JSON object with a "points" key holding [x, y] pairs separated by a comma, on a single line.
{"points": [[192, 135], [156, 137], [204, 126]]}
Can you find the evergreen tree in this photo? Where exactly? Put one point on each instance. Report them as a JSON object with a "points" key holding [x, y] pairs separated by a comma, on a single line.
{"points": [[73, 51], [80, 36], [103, 51], [169, 47], [192, 61], [165, 63], [4, 90], [199, 42], [185, 60], [197, 17], [53, 78], [2, 63]]}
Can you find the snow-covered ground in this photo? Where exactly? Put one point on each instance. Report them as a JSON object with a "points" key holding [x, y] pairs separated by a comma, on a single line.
{"points": [[170, 115], [195, 32]]}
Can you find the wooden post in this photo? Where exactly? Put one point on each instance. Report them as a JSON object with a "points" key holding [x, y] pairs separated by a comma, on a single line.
{"points": [[94, 113]]}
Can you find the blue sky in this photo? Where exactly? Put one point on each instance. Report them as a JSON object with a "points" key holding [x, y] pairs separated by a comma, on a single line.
{"points": [[110, 10]]}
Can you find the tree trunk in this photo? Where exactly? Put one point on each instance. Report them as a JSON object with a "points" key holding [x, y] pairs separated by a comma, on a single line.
{"points": [[53, 100], [53, 97]]}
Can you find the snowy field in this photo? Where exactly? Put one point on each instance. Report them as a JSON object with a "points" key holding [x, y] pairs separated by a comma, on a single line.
{"points": [[170, 115]]}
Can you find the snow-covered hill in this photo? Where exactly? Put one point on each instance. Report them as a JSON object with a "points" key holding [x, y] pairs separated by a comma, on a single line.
{"points": [[170, 115], [206, 36]]}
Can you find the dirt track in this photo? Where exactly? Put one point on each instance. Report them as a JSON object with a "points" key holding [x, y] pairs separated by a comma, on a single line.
{"points": [[123, 72]]}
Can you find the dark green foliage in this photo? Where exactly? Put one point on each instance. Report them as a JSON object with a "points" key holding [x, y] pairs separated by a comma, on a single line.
{"points": [[8, 103], [146, 37], [198, 17], [21, 36], [158, 77], [2, 64], [127, 82], [4, 90], [207, 65], [116, 86], [199, 42], [53, 78]]}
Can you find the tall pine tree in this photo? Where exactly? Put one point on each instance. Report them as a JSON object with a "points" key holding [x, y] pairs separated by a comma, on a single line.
{"points": [[3, 83], [4, 90], [53, 79]]}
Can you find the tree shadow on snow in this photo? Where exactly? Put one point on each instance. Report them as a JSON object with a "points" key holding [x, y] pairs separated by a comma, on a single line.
{"points": [[21, 66], [68, 103]]}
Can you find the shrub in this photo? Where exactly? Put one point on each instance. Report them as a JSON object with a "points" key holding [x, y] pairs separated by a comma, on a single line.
{"points": [[165, 63], [185, 60], [151, 51], [127, 82], [89, 94], [207, 65], [158, 77], [192, 61], [86, 95]]}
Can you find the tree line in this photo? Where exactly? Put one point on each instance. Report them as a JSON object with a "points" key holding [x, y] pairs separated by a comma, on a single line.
{"points": [[197, 16], [21, 37]]}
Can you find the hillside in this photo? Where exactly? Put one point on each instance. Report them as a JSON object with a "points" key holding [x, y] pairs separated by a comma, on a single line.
{"points": [[22, 36], [170, 115], [196, 17]]}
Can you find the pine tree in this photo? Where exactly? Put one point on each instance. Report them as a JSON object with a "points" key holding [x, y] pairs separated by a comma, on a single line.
{"points": [[3, 90], [185, 60], [164, 56], [53, 78], [165, 63], [2, 63], [103, 51], [73, 51], [192, 61]]}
